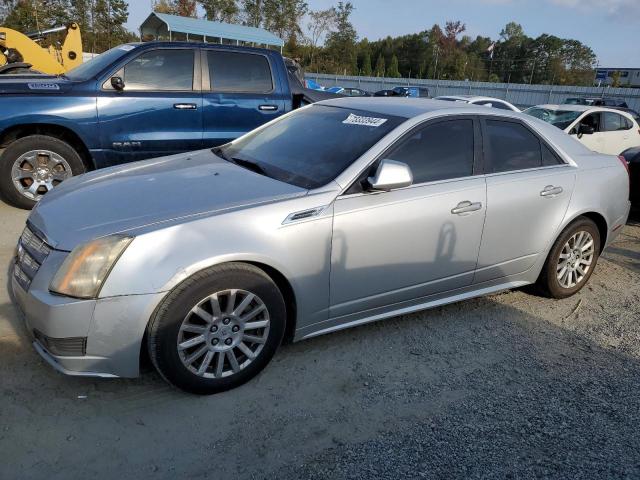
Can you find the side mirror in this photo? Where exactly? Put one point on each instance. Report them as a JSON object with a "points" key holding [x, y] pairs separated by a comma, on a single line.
{"points": [[390, 175], [585, 130], [117, 83]]}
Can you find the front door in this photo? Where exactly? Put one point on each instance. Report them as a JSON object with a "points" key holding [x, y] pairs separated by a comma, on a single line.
{"points": [[158, 113], [594, 141], [398, 246], [528, 193], [241, 92]]}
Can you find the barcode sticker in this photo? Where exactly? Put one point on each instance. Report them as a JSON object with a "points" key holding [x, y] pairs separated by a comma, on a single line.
{"points": [[364, 121]]}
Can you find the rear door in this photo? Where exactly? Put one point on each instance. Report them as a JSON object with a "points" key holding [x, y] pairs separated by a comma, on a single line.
{"points": [[159, 112], [241, 91], [528, 193], [618, 133]]}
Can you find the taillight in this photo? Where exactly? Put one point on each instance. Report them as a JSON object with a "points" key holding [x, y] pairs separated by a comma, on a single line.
{"points": [[625, 163]]}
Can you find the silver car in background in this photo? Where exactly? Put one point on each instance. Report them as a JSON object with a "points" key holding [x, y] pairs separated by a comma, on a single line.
{"points": [[340, 213]]}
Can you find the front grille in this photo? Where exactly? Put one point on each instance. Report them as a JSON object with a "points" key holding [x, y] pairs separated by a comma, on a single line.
{"points": [[30, 254], [63, 347]]}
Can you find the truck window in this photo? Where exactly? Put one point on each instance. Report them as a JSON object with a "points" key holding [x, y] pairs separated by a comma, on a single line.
{"points": [[165, 70], [239, 72]]}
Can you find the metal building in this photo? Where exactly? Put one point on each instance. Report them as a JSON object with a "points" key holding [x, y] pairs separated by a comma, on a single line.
{"points": [[160, 26]]}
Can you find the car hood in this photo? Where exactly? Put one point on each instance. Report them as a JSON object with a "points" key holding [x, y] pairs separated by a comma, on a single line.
{"points": [[119, 199], [33, 84]]}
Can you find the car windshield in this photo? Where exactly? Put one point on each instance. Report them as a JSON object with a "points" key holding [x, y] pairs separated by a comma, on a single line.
{"points": [[312, 146], [560, 118], [93, 67]]}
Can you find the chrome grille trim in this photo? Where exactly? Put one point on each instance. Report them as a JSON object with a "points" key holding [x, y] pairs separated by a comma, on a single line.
{"points": [[30, 254]]}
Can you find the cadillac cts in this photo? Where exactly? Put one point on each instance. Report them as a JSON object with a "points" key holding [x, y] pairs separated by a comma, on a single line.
{"points": [[338, 214]]}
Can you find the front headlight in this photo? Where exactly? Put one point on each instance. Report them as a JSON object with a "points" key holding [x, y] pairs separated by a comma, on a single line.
{"points": [[86, 268]]}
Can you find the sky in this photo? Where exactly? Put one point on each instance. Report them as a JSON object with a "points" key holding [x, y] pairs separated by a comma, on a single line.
{"points": [[609, 27]]}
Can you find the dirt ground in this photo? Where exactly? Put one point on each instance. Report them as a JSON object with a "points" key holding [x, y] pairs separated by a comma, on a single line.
{"points": [[507, 386]]}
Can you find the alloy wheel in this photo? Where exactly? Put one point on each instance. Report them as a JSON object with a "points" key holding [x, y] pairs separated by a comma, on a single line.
{"points": [[36, 172], [223, 333], [575, 259]]}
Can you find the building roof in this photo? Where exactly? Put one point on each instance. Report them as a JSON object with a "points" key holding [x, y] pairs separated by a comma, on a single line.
{"points": [[196, 26]]}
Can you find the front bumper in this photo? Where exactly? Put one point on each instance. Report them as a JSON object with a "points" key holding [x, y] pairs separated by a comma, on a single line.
{"points": [[113, 327]]}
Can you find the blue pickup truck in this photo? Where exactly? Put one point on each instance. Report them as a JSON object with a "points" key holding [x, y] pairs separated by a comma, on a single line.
{"points": [[133, 102]]}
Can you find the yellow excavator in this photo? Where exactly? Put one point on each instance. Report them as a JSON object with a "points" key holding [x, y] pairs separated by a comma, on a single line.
{"points": [[20, 53]]}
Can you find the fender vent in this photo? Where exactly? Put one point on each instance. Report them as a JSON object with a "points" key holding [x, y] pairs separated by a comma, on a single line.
{"points": [[303, 215]]}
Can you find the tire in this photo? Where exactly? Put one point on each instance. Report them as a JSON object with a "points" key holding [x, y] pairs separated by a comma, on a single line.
{"points": [[548, 283], [175, 322], [53, 162]]}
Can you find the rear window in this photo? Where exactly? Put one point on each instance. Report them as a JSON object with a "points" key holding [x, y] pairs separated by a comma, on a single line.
{"points": [[312, 146], [239, 72]]}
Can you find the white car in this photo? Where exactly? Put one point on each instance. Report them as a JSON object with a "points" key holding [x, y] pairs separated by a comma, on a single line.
{"points": [[601, 129], [478, 100]]}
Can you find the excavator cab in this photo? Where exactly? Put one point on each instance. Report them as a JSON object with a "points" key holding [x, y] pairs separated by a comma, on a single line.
{"points": [[20, 53]]}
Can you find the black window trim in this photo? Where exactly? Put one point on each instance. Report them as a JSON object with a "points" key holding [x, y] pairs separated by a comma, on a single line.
{"points": [[356, 187], [196, 85], [486, 164], [206, 78]]}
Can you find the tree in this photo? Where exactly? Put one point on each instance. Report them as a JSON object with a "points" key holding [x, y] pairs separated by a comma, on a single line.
{"points": [[253, 12], [366, 69], [341, 42], [393, 71], [221, 10], [380, 67], [109, 17], [320, 23], [283, 17], [183, 8]]}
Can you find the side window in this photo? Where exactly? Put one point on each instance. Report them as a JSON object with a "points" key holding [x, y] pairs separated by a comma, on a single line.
{"points": [[592, 120], [512, 147], [613, 122], [165, 70], [549, 158], [239, 72], [439, 151]]}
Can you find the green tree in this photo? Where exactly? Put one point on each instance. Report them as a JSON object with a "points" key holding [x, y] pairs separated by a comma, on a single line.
{"points": [[366, 69], [109, 17], [341, 43], [284, 17], [393, 71], [221, 10], [380, 69]]}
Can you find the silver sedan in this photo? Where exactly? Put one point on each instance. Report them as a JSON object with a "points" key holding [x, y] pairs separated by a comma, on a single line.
{"points": [[338, 214]]}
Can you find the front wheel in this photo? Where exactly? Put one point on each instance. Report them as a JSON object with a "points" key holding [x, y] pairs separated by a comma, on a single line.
{"points": [[32, 166], [218, 329], [572, 260]]}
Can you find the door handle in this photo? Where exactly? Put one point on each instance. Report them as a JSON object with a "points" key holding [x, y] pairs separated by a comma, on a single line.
{"points": [[268, 108], [551, 191], [466, 207], [185, 106]]}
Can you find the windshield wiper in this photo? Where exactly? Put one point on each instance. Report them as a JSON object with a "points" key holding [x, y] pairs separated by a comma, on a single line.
{"points": [[249, 165]]}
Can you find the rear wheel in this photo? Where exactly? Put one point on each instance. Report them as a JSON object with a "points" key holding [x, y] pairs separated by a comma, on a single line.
{"points": [[572, 260], [32, 166], [218, 329]]}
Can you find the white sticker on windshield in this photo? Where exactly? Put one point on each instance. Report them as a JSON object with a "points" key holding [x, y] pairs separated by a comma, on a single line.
{"points": [[127, 48], [364, 121]]}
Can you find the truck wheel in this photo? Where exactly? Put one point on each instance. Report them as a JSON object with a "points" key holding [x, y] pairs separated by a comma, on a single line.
{"points": [[218, 329], [31, 166]]}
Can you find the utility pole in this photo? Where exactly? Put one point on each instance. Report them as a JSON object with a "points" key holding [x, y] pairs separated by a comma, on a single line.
{"points": [[532, 69]]}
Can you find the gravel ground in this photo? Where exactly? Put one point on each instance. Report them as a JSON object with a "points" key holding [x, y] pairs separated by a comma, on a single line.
{"points": [[506, 386]]}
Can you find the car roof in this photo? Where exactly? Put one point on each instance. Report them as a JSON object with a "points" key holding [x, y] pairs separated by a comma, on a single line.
{"points": [[577, 108], [398, 106]]}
